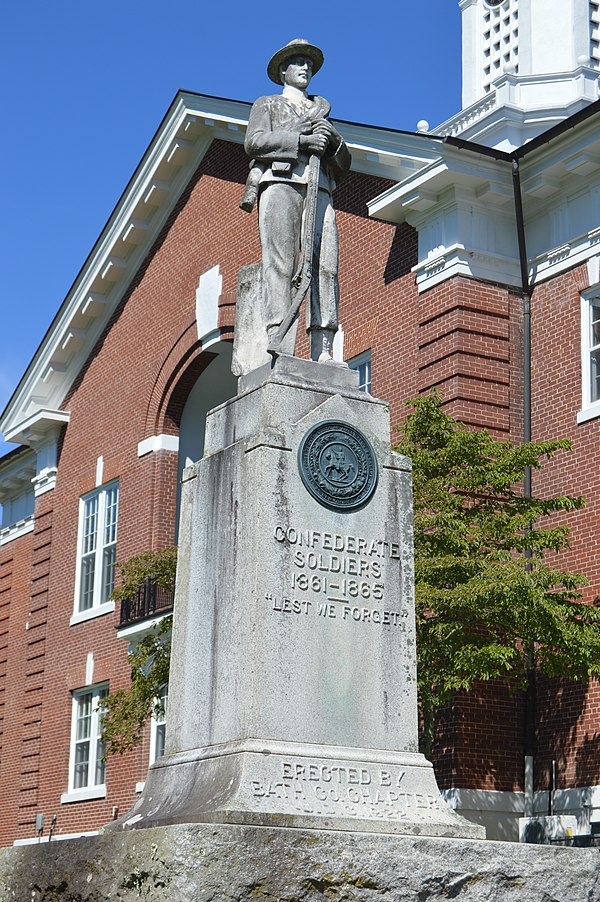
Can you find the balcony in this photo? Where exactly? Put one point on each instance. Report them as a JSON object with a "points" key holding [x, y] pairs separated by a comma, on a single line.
{"points": [[149, 601]]}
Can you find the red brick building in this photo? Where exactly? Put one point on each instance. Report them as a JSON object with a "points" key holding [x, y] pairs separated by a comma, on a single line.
{"points": [[447, 238]]}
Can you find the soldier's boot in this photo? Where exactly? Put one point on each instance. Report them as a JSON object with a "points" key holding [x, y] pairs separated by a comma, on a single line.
{"points": [[321, 345]]}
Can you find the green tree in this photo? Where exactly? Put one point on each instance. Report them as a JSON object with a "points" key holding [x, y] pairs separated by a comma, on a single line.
{"points": [[127, 710], [488, 605], [158, 565]]}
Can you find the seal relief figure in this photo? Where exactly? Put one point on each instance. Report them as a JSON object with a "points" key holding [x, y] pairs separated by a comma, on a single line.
{"points": [[298, 158], [338, 465]]}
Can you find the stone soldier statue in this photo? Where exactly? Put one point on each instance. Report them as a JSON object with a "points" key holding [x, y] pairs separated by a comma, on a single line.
{"points": [[298, 158]]}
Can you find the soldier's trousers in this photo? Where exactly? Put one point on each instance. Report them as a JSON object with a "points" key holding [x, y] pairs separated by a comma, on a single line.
{"points": [[281, 209]]}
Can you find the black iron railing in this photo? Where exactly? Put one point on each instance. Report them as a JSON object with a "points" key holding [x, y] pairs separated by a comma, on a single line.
{"points": [[148, 601]]}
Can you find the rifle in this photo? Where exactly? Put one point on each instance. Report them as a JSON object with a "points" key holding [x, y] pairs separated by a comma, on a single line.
{"points": [[303, 275]]}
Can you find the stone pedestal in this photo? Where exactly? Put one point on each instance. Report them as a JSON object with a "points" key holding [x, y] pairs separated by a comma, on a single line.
{"points": [[292, 698], [233, 863]]}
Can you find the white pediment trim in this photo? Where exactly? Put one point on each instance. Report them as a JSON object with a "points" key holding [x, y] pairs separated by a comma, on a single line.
{"points": [[16, 473]]}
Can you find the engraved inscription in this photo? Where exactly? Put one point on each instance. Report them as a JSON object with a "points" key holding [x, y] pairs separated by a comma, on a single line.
{"points": [[313, 786], [287, 605], [343, 575], [328, 541]]}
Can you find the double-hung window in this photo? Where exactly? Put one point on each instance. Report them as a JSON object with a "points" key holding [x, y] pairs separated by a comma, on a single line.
{"points": [[590, 357], [98, 517], [87, 771]]}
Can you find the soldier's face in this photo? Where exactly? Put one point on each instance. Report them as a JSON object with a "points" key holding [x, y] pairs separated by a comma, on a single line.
{"points": [[297, 71]]}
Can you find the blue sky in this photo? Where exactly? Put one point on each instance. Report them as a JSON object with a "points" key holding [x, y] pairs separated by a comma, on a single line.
{"points": [[84, 86]]}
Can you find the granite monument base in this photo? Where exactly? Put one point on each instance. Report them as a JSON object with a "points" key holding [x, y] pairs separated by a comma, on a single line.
{"points": [[272, 784], [292, 695], [220, 863]]}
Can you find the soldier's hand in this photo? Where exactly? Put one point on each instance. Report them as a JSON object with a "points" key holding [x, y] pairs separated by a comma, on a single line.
{"points": [[324, 127], [315, 143]]}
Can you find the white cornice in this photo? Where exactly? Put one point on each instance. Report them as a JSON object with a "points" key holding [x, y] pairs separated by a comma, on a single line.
{"points": [[458, 260], [574, 153], [463, 208], [390, 154], [35, 428], [412, 200], [16, 473], [580, 249], [521, 107], [16, 530]]}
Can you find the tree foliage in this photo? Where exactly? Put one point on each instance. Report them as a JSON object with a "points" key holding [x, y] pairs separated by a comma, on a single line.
{"points": [[487, 603], [127, 710], [160, 566]]}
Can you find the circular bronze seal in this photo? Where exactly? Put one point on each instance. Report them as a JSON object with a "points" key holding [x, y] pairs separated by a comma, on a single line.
{"points": [[338, 465]]}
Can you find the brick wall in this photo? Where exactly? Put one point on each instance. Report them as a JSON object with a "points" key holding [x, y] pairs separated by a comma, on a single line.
{"points": [[568, 713], [15, 587], [480, 740], [488, 724], [462, 336]]}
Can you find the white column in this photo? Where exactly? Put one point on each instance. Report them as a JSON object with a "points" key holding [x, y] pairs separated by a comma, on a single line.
{"points": [[554, 35], [472, 51]]}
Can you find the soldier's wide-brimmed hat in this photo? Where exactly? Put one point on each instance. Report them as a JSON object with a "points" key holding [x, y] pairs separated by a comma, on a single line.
{"points": [[297, 46]]}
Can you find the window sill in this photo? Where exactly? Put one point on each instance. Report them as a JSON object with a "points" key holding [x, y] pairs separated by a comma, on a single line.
{"points": [[83, 795], [589, 413], [56, 837], [141, 628], [99, 611]]}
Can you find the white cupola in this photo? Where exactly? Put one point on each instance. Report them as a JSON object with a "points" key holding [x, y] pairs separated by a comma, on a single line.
{"points": [[527, 65]]}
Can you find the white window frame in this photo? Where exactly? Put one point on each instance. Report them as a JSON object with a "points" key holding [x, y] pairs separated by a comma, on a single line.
{"points": [[589, 408], [357, 363], [91, 790], [98, 607], [156, 724]]}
